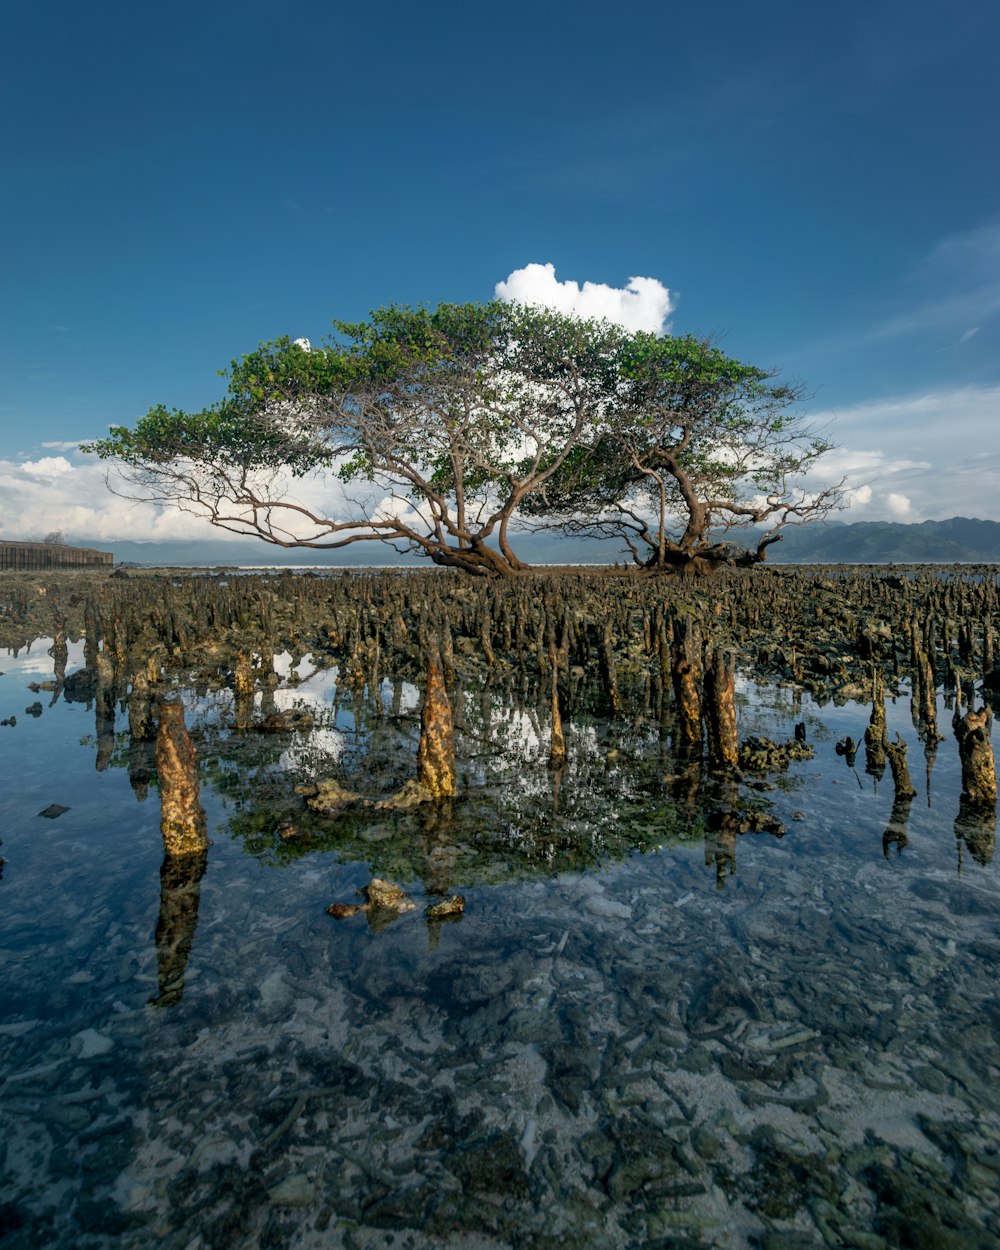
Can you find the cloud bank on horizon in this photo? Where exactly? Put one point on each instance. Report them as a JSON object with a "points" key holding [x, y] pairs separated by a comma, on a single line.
{"points": [[943, 461], [643, 304]]}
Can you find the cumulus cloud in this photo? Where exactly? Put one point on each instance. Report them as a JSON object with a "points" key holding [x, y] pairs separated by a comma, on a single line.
{"points": [[899, 505], [48, 466], [64, 444], [643, 304], [52, 493]]}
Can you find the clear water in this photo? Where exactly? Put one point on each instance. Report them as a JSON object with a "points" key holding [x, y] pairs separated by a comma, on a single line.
{"points": [[647, 1029]]}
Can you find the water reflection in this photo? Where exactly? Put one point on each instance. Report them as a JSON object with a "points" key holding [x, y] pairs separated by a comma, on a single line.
{"points": [[180, 895], [895, 836], [545, 782], [605, 1040], [975, 831]]}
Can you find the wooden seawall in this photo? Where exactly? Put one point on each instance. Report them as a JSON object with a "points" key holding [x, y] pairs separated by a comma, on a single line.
{"points": [[51, 556]]}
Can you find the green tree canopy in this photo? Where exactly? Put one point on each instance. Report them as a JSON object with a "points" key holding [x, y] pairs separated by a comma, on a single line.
{"points": [[444, 426], [697, 444]]}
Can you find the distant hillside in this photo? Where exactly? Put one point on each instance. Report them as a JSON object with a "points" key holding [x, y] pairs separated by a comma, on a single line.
{"points": [[864, 542], [877, 542]]}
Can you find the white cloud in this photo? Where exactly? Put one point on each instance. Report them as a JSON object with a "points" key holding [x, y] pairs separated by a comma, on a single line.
{"points": [[644, 304], [906, 457], [899, 505], [48, 466], [54, 494], [932, 418], [64, 444]]}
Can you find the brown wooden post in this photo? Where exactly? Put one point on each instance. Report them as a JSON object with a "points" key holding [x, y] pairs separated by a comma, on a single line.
{"points": [[104, 710], [610, 669], [138, 708], [979, 778], [876, 735], [557, 746], [436, 748], [686, 677], [243, 690], [720, 708], [182, 817]]}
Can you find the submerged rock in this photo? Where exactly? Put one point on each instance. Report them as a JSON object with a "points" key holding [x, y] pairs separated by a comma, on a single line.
{"points": [[384, 901], [381, 893], [279, 722], [448, 909], [761, 755], [412, 794], [328, 796]]}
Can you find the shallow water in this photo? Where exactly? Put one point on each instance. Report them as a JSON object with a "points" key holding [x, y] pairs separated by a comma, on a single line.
{"points": [[648, 1028]]}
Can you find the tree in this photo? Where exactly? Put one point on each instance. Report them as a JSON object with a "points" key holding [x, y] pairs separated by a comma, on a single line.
{"points": [[448, 425], [697, 444], [441, 422]]}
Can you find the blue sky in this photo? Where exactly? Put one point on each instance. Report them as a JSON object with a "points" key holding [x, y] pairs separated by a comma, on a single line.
{"points": [[818, 187]]}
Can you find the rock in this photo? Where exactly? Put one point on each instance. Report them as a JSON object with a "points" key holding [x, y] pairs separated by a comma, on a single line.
{"points": [[381, 893], [328, 796], [412, 794], [384, 901], [448, 909], [296, 1190], [80, 686], [601, 905], [279, 722], [69, 1117], [760, 755], [93, 1043]]}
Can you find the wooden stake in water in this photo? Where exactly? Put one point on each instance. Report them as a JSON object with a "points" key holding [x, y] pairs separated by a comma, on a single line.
{"points": [[979, 777], [182, 817], [720, 708], [436, 748], [686, 675], [557, 745]]}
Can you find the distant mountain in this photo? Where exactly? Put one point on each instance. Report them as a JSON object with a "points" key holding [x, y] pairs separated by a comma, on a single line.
{"points": [[213, 553], [959, 539]]}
